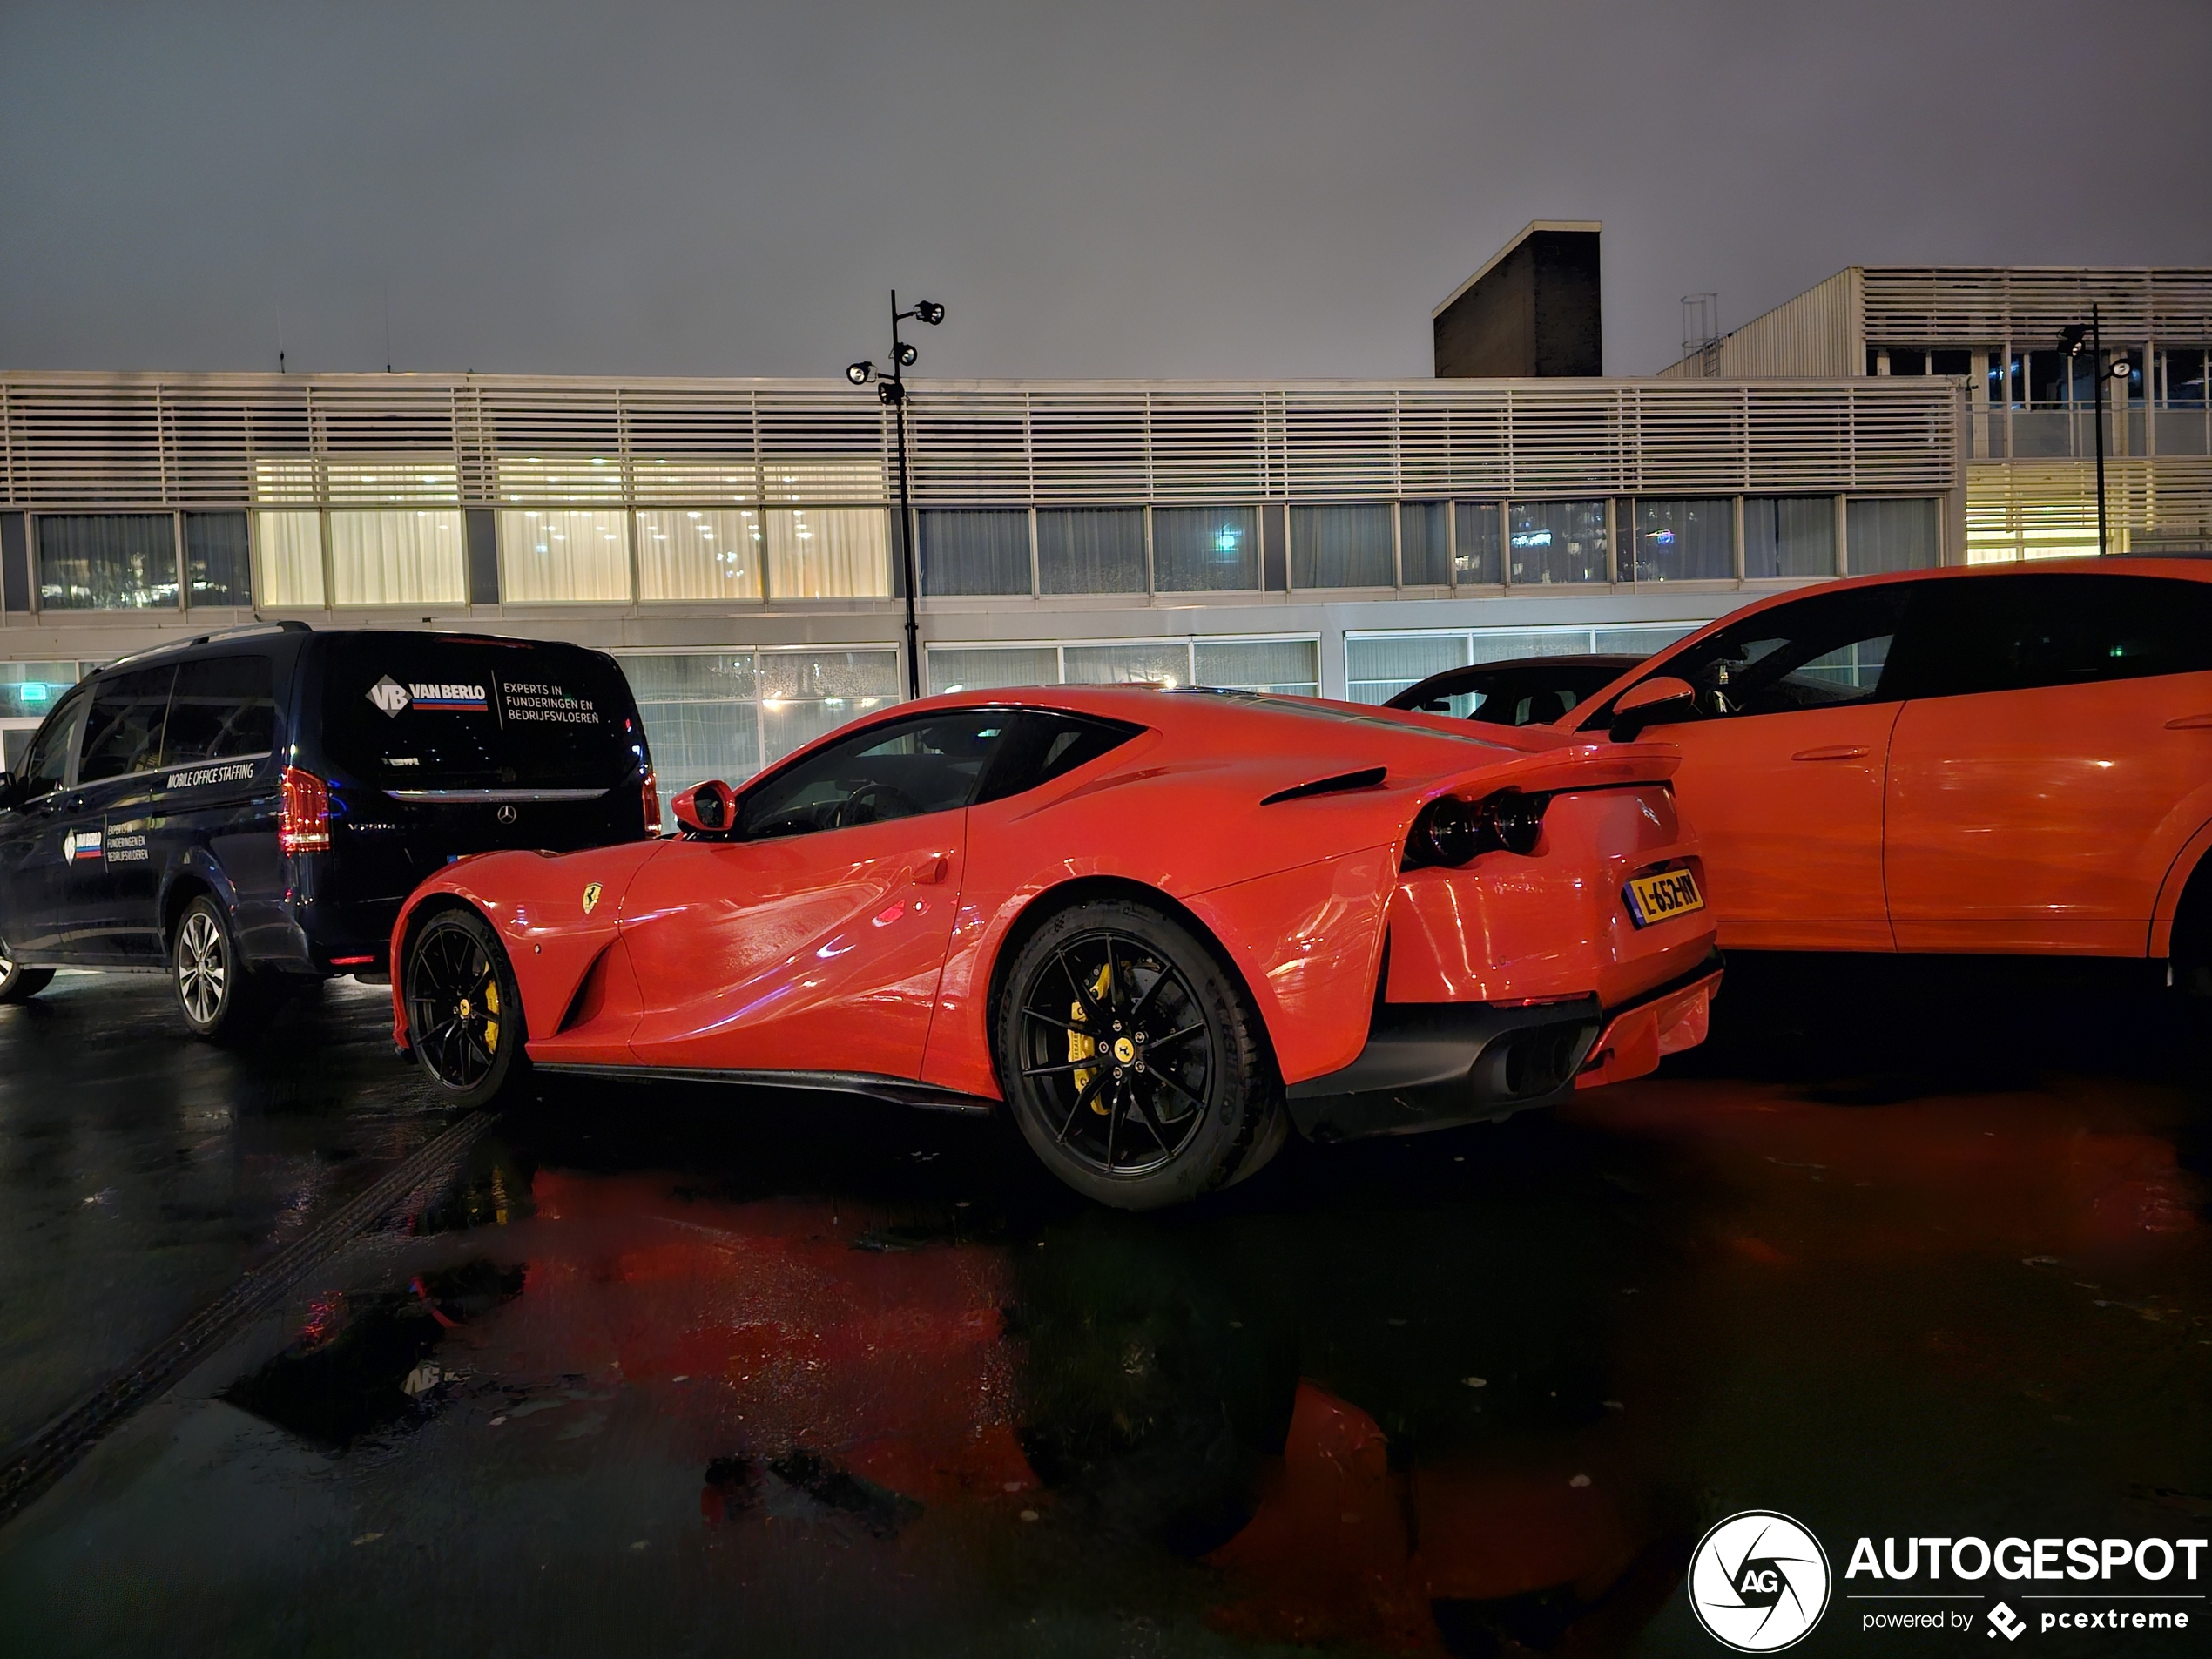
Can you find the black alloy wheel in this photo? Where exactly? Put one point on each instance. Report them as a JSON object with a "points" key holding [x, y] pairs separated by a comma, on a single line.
{"points": [[19, 983], [464, 1014], [220, 999], [1132, 1061]]}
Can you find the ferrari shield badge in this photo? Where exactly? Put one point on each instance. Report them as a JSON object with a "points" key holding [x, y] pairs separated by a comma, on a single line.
{"points": [[590, 898]]}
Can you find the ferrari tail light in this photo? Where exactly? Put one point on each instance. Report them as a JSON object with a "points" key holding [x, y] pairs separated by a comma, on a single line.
{"points": [[652, 803], [303, 822], [1449, 832], [1443, 833]]}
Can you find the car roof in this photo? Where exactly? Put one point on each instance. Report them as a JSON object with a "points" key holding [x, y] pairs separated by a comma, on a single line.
{"points": [[1239, 724], [1446, 681], [2173, 567]]}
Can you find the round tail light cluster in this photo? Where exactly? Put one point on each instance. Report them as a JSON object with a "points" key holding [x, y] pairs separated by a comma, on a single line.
{"points": [[1450, 832]]}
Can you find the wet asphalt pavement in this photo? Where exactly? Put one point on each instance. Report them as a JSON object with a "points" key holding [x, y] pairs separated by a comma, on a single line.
{"points": [[1909, 1247]]}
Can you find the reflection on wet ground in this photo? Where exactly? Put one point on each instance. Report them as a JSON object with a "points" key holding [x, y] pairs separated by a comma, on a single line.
{"points": [[1908, 1246]]}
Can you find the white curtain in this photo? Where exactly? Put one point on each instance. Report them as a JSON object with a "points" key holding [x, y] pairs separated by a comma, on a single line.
{"points": [[698, 553], [288, 549], [392, 558], [829, 553], [549, 555]]}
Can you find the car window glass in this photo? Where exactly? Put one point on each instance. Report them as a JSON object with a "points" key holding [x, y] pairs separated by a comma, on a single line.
{"points": [[123, 732], [46, 767], [2017, 631], [1827, 652], [222, 707], [933, 763], [1042, 745]]}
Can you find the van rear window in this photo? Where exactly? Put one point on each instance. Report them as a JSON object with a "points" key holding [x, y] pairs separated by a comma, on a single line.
{"points": [[422, 712]]}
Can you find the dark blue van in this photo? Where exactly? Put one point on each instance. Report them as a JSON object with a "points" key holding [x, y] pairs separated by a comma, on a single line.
{"points": [[243, 808]]}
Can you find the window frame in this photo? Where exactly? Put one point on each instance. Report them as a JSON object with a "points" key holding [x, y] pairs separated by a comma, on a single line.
{"points": [[73, 705], [1669, 663], [869, 735]]}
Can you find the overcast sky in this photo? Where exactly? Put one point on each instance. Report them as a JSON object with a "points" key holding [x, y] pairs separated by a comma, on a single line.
{"points": [[1127, 190]]}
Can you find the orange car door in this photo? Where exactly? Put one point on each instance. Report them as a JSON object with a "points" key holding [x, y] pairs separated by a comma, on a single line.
{"points": [[2055, 757], [1782, 769], [814, 939]]}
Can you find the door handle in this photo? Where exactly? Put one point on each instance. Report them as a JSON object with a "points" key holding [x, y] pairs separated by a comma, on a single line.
{"points": [[2190, 723], [929, 875], [1836, 752]]}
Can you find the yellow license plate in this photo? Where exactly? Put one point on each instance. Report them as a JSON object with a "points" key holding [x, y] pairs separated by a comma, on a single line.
{"points": [[1655, 897]]}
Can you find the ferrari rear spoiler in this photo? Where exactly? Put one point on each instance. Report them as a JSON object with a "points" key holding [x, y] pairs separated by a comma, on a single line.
{"points": [[1591, 765]]}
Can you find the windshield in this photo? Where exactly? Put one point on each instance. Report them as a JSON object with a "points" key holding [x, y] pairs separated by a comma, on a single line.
{"points": [[408, 711]]}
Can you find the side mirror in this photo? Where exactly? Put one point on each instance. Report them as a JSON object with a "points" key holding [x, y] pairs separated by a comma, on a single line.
{"points": [[708, 809], [10, 789], [1655, 701]]}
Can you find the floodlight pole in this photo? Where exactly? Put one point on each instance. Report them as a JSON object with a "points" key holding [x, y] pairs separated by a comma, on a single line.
{"points": [[894, 392], [891, 389], [2097, 356]]}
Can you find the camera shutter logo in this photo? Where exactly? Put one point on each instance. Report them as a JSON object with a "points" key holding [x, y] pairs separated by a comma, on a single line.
{"points": [[1758, 1581]]}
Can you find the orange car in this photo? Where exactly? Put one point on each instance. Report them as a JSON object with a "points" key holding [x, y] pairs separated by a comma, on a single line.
{"points": [[1995, 759]]}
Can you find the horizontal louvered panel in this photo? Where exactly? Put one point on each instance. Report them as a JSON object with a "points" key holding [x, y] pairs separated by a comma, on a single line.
{"points": [[1969, 306], [2027, 507], [75, 441]]}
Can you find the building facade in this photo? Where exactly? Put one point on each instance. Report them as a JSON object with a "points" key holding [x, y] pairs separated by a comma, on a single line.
{"points": [[736, 544], [2003, 333]]}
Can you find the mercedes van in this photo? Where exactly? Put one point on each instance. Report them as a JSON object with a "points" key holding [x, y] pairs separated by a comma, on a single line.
{"points": [[245, 810]]}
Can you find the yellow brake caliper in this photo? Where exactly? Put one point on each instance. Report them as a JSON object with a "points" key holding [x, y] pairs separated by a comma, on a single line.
{"points": [[491, 1016], [1083, 1047]]}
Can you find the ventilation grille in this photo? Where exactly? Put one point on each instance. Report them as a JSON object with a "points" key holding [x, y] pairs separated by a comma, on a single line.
{"points": [[1961, 306], [88, 441]]}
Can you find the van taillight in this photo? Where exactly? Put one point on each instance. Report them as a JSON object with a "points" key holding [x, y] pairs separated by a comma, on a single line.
{"points": [[304, 824], [652, 804]]}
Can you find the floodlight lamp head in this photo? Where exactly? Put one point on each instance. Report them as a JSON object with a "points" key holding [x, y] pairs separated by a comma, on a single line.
{"points": [[2073, 335], [2121, 368], [890, 391], [906, 354], [929, 311], [860, 374]]}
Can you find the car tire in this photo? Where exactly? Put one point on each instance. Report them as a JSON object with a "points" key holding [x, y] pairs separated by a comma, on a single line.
{"points": [[1134, 1131], [19, 983], [220, 999], [464, 1011]]}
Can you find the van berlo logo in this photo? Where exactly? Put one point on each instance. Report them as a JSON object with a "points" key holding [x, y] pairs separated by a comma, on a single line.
{"points": [[389, 695], [1758, 1581]]}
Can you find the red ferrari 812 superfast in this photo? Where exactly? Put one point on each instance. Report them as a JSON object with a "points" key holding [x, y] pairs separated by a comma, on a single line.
{"points": [[1161, 928]]}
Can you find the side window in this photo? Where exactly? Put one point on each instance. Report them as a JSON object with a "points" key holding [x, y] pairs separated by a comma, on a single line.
{"points": [[123, 732], [1042, 745], [223, 707], [2014, 632], [46, 767], [933, 763], [1824, 652]]}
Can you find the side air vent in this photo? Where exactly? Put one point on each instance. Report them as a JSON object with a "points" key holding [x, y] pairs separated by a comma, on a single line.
{"points": [[1344, 781]]}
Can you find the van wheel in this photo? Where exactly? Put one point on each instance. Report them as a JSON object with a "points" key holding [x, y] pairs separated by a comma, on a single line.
{"points": [[19, 983], [1134, 1066], [464, 1013], [220, 1001]]}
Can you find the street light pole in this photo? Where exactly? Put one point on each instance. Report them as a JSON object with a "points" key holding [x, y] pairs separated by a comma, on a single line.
{"points": [[2097, 354], [2073, 336], [891, 389]]}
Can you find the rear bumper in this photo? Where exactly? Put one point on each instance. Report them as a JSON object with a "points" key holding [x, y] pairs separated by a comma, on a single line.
{"points": [[1437, 1065]]}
